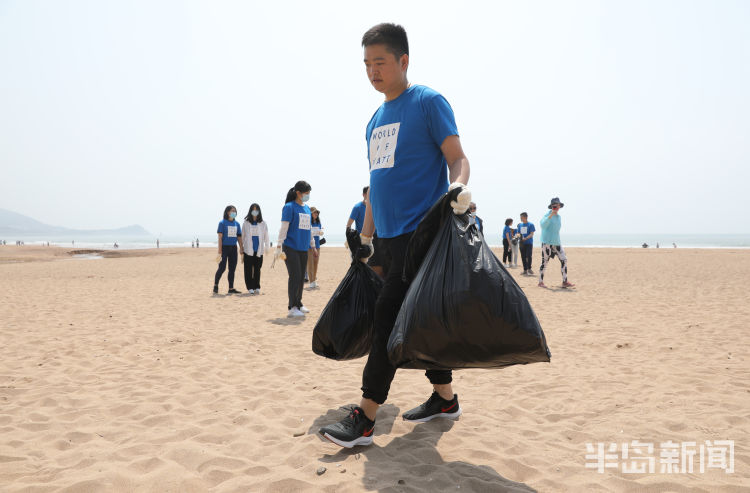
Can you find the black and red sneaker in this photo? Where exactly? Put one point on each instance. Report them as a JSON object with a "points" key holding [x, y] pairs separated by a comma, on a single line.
{"points": [[435, 407], [355, 429]]}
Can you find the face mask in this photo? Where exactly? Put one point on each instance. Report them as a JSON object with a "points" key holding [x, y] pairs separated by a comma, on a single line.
{"points": [[306, 197], [232, 215], [255, 213]]}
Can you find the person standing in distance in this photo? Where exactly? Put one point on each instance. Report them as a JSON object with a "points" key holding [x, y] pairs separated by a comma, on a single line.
{"points": [[507, 238], [414, 151], [230, 235], [477, 220], [255, 242], [526, 230], [358, 213], [295, 238], [551, 246]]}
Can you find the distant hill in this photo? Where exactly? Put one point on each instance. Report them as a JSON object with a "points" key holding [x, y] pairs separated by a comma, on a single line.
{"points": [[13, 224]]}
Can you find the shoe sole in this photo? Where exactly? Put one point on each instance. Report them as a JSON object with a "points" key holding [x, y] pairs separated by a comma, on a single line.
{"points": [[353, 443], [439, 415]]}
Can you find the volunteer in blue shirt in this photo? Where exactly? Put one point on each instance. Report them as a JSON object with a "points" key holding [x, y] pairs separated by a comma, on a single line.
{"points": [[255, 242], [312, 258], [413, 143], [551, 246], [229, 232], [358, 213], [526, 230], [507, 238], [477, 220], [295, 239]]}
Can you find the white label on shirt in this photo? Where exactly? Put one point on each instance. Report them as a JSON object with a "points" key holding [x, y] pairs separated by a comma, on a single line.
{"points": [[315, 231], [524, 229], [254, 230], [383, 146], [231, 231], [304, 221]]}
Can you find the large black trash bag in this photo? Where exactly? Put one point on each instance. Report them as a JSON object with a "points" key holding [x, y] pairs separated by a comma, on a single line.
{"points": [[463, 309], [344, 329]]}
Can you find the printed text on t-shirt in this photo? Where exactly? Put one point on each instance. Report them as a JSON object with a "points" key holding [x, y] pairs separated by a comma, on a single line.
{"points": [[383, 146], [304, 221]]}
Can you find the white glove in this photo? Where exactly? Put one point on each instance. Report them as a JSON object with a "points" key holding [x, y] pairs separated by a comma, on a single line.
{"points": [[367, 242], [278, 253], [462, 202]]}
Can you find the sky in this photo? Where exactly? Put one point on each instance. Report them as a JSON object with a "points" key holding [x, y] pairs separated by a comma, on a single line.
{"points": [[636, 114]]}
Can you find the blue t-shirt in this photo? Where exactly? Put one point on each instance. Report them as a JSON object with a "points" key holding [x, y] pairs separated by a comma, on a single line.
{"points": [[480, 227], [358, 214], [229, 230], [551, 229], [507, 232], [315, 231], [408, 172], [256, 238], [298, 216], [525, 229]]}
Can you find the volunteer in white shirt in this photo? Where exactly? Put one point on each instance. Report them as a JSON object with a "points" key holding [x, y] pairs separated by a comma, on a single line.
{"points": [[255, 243]]}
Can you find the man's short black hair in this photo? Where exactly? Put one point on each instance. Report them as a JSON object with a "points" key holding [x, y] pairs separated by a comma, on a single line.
{"points": [[365, 190], [524, 214], [391, 35]]}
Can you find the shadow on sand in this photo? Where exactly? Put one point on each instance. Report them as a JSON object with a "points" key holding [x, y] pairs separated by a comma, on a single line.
{"points": [[412, 463]]}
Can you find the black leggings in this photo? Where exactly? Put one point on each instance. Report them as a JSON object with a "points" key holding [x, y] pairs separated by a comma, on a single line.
{"points": [[378, 373], [296, 266], [507, 255], [228, 252], [252, 270]]}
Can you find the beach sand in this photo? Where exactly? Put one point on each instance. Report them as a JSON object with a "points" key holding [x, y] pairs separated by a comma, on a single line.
{"points": [[126, 374]]}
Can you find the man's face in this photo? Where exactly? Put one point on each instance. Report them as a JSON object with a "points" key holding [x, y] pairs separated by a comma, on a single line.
{"points": [[523, 219], [384, 70]]}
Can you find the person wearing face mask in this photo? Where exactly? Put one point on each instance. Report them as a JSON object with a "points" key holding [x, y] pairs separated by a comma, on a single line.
{"points": [[295, 238], [255, 243], [229, 232], [551, 246], [312, 259], [477, 220]]}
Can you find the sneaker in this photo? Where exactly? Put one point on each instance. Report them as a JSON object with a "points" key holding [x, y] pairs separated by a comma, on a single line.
{"points": [[525, 273], [355, 429], [542, 285], [250, 291], [257, 291], [567, 284], [304, 309], [435, 407], [313, 284], [294, 313], [531, 272], [233, 291], [216, 289]]}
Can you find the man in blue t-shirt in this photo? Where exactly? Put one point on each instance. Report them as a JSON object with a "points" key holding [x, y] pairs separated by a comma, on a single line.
{"points": [[413, 150], [526, 230], [358, 213]]}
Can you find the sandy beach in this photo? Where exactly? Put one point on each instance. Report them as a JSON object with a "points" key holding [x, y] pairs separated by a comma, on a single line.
{"points": [[126, 374]]}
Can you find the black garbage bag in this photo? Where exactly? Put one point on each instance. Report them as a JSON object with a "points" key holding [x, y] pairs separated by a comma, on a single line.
{"points": [[462, 309], [344, 329]]}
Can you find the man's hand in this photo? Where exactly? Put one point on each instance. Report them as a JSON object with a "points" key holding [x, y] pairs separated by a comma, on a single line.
{"points": [[462, 202], [366, 250], [316, 252]]}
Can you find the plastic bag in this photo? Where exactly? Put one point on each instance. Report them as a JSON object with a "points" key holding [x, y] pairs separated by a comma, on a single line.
{"points": [[462, 309], [344, 329]]}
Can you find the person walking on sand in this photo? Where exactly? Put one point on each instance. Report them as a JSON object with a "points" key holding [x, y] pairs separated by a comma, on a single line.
{"points": [[312, 258], [507, 237], [254, 243], [414, 149], [527, 230], [551, 246], [230, 235], [295, 238]]}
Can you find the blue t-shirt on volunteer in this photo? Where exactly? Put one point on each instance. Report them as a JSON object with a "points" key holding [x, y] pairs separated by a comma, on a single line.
{"points": [[551, 229], [256, 238], [315, 231], [525, 229], [480, 226], [507, 231], [229, 230], [408, 172], [298, 216], [358, 215]]}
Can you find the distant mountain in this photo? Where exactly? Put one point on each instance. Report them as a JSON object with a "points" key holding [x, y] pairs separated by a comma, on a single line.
{"points": [[13, 224]]}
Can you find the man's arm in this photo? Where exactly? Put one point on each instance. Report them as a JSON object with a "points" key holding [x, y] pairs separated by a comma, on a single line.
{"points": [[349, 223], [458, 164], [369, 226]]}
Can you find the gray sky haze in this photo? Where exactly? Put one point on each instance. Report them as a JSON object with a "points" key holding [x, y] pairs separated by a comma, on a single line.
{"points": [[635, 113]]}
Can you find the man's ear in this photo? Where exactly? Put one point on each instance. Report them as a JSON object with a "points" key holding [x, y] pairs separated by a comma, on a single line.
{"points": [[404, 62]]}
